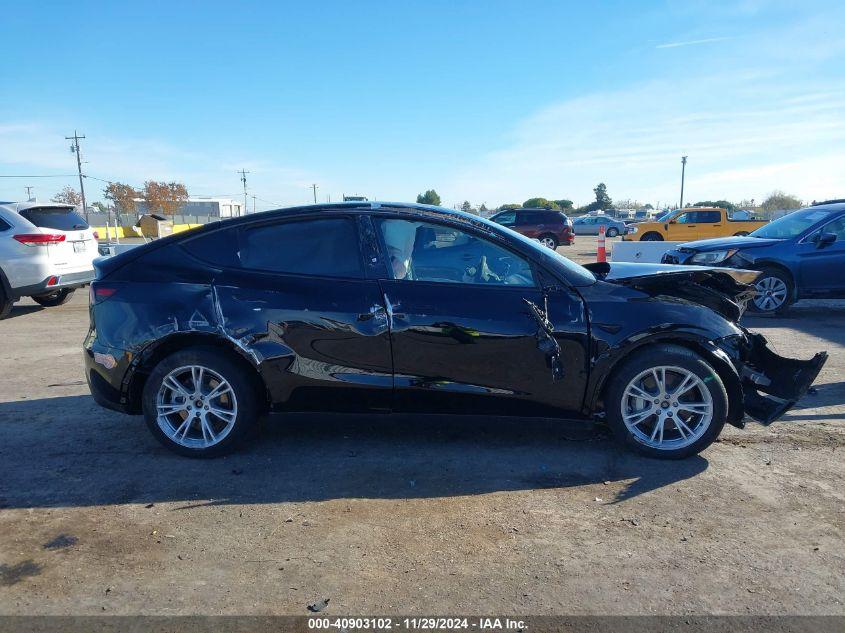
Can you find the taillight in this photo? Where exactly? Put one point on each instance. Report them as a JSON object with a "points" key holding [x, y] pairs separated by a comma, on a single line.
{"points": [[96, 235], [99, 292], [35, 239]]}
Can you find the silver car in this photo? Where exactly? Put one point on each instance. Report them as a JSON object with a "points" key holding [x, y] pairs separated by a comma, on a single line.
{"points": [[589, 225]]}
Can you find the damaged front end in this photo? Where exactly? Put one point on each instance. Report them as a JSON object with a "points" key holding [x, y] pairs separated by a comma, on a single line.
{"points": [[772, 384], [769, 384]]}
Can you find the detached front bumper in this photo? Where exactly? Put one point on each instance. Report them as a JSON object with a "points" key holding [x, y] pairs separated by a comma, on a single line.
{"points": [[773, 384]]}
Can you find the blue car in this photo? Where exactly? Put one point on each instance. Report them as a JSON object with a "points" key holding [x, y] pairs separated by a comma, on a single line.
{"points": [[801, 256]]}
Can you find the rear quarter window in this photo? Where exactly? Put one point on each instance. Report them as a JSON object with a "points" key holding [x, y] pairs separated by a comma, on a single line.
{"points": [[58, 218], [325, 247], [219, 248]]}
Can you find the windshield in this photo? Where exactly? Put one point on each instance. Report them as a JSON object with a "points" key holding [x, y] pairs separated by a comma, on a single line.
{"points": [[666, 216], [580, 275], [791, 225]]}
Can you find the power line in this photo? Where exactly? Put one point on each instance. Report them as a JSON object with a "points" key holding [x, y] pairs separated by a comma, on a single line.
{"points": [[38, 176], [75, 149]]}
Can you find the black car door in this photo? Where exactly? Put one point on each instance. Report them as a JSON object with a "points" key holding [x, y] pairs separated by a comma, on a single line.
{"points": [[299, 300], [466, 325]]}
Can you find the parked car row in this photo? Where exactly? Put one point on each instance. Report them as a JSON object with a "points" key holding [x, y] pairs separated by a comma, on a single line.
{"points": [[552, 228]]}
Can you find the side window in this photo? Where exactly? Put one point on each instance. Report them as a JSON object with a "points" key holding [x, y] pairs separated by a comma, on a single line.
{"points": [[837, 227], [421, 251], [686, 218], [709, 217], [508, 218], [219, 248], [4, 226], [326, 247]]}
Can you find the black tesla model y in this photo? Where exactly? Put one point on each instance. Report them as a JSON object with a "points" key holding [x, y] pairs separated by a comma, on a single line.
{"points": [[401, 307]]}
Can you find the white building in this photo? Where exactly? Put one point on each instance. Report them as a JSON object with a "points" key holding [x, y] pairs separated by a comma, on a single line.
{"points": [[215, 207]]}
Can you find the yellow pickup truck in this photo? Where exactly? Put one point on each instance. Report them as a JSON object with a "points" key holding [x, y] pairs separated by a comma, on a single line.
{"points": [[686, 225]]}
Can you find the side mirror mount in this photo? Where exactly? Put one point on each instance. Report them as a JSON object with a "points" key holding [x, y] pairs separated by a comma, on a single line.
{"points": [[825, 239]]}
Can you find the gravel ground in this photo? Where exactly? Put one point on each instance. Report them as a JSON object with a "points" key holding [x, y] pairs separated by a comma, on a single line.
{"points": [[392, 514]]}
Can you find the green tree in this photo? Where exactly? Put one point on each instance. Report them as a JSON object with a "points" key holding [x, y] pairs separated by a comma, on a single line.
{"points": [[603, 200], [466, 207], [99, 206], [429, 197], [540, 203], [565, 205], [730, 207], [511, 205], [482, 210], [780, 201]]}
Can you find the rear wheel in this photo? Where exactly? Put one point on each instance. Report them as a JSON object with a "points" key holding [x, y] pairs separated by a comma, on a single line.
{"points": [[652, 237], [5, 303], [612, 232], [53, 299], [549, 241], [200, 403], [741, 234], [666, 402], [774, 292]]}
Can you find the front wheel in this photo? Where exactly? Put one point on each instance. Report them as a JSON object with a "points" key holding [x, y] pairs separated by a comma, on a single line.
{"points": [[774, 292], [666, 402], [741, 234], [200, 403], [652, 237], [53, 299]]}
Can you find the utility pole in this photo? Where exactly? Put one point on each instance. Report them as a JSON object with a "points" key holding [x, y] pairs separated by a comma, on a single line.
{"points": [[683, 170], [314, 187], [74, 148], [28, 193], [253, 203], [243, 180]]}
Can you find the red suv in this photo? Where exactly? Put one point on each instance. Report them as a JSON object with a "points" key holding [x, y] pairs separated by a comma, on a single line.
{"points": [[552, 228]]}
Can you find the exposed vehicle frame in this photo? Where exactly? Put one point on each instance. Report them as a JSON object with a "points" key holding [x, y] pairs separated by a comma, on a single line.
{"points": [[175, 324]]}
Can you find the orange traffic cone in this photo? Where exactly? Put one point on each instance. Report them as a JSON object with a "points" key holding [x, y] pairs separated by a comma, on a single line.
{"points": [[602, 252]]}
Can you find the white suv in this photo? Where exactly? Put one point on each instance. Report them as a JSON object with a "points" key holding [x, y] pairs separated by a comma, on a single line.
{"points": [[46, 252]]}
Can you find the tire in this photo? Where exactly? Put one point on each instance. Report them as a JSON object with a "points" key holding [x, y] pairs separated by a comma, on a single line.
{"points": [[680, 364], [549, 240], [5, 303], [242, 397], [773, 282], [612, 232], [53, 299], [652, 237], [741, 234]]}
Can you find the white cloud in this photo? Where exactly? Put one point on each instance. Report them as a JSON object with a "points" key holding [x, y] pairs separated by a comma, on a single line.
{"points": [[743, 136], [708, 40]]}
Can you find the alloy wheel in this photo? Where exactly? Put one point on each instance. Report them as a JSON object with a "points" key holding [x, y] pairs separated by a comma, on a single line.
{"points": [[667, 407], [548, 242], [771, 294], [196, 407]]}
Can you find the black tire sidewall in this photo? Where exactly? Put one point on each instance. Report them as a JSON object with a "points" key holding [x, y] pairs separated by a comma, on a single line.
{"points": [[612, 232], [63, 297], [234, 373], [665, 355], [790, 290], [5, 304], [652, 237]]}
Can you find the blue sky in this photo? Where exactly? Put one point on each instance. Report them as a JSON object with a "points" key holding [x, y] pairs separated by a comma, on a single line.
{"points": [[491, 102]]}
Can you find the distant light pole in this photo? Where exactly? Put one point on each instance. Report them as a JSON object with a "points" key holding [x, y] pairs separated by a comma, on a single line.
{"points": [[243, 174], [314, 187], [683, 170], [29, 192]]}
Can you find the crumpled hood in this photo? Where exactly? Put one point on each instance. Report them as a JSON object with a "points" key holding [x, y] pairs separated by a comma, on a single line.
{"points": [[725, 290], [719, 243]]}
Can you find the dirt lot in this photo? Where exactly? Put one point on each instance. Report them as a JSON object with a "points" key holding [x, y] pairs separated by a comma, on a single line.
{"points": [[389, 514]]}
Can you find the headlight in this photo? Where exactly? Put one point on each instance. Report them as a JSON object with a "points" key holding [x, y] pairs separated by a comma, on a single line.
{"points": [[632, 230], [713, 257]]}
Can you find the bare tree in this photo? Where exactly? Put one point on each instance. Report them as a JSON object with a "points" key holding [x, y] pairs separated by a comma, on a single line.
{"points": [[166, 197], [68, 195], [122, 196]]}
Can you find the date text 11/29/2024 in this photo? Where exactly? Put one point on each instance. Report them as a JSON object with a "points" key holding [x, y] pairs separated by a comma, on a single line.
{"points": [[416, 623]]}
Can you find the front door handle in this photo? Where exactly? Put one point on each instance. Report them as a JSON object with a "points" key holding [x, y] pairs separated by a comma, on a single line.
{"points": [[374, 310]]}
